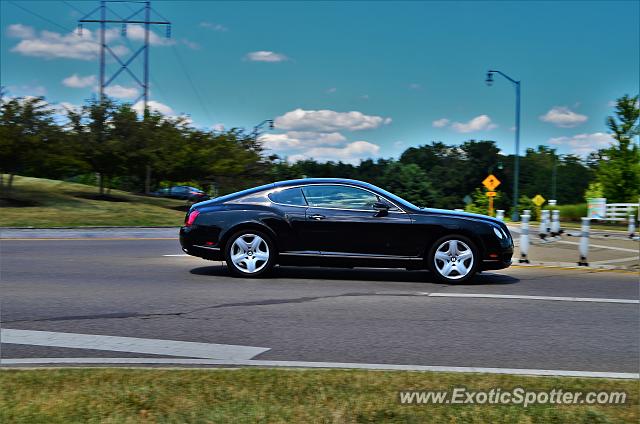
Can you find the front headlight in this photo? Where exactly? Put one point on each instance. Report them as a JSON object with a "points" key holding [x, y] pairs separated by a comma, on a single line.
{"points": [[498, 233]]}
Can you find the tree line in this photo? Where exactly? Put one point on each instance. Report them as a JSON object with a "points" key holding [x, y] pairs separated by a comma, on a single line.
{"points": [[110, 145]]}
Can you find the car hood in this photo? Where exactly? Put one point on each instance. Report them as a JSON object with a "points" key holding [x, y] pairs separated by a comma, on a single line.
{"points": [[458, 214]]}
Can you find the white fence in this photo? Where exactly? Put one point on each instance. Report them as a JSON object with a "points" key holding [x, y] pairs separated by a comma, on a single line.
{"points": [[621, 211]]}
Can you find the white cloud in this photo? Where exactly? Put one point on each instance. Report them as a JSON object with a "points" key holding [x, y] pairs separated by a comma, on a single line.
{"points": [[53, 45], [121, 92], [301, 139], [332, 90], [218, 127], [214, 26], [479, 123], [191, 44], [265, 56], [562, 116], [583, 144], [351, 153], [154, 106], [440, 123], [26, 90], [20, 31], [136, 32], [328, 120], [76, 81]]}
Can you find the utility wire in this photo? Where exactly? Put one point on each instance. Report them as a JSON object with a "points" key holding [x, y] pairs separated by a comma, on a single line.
{"points": [[193, 86], [41, 17]]}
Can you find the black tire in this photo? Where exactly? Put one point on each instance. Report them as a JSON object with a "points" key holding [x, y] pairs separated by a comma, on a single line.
{"points": [[244, 270], [454, 277]]}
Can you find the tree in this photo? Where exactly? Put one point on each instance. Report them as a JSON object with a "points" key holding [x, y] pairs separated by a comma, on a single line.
{"points": [[619, 171], [409, 182], [26, 127]]}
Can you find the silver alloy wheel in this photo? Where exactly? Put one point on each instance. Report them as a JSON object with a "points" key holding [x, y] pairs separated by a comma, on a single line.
{"points": [[249, 253], [453, 259]]}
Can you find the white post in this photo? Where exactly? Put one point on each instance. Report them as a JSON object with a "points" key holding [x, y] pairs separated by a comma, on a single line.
{"points": [[584, 242], [555, 223], [632, 226], [500, 214], [544, 217], [524, 238]]}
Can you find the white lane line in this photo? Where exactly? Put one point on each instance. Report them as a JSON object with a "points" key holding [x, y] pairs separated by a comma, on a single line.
{"points": [[522, 297], [614, 261], [129, 344], [600, 246], [304, 364]]}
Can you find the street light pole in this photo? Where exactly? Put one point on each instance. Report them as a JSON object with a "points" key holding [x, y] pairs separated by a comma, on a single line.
{"points": [[516, 172]]}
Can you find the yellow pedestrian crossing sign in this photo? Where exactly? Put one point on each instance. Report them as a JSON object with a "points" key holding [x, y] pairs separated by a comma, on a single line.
{"points": [[538, 200], [491, 182]]}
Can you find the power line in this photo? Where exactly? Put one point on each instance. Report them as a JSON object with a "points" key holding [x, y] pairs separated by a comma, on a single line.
{"points": [[73, 7], [191, 83], [37, 15]]}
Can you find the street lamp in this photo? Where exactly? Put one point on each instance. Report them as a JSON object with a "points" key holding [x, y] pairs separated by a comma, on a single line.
{"points": [[516, 174], [257, 128], [554, 175]]}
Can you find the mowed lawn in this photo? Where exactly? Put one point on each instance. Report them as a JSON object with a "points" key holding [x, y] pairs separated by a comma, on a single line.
{"points": [[252, 395], [38, 202]]}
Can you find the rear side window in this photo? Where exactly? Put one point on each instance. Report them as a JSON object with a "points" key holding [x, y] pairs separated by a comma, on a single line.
{"points": [[290, 196], [339, 197]]}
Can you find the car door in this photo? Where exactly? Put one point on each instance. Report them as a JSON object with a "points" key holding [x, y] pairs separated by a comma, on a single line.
{"points": [[341, 220], [291, 205]]}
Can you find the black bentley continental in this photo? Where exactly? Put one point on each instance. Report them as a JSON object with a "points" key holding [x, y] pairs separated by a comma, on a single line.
{"points": [[341, 223]]}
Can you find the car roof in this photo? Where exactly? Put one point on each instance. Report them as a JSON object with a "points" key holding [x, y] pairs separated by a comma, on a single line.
{"points": [[308, 181]]}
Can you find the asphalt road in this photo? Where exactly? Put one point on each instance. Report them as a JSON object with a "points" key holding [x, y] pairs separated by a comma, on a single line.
{"points": [[128, 288]]}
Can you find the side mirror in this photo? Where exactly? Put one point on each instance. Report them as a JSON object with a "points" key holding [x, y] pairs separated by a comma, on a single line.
{"points": [[381, 207]]}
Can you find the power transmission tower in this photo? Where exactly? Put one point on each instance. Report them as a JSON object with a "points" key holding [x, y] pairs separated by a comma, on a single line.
{"points": [[103, 15]]}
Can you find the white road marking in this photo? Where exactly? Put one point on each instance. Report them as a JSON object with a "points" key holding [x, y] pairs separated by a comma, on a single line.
{"points": [[304, 364], [130, 344], [600, 246], [183, 254], [618, 260], [522, 297]]}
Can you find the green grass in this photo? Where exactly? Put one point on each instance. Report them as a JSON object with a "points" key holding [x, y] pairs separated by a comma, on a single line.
{"points": [[38, 202], [114, 395]]}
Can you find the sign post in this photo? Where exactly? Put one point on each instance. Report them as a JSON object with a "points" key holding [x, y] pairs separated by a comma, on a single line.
{"points": [[491, 183], [538, 200]]}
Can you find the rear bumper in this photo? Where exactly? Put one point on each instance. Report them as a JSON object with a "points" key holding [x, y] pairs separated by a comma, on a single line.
{"points": [[191, 246]]}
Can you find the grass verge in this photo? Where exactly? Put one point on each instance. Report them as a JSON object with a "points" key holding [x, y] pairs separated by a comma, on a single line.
{"points": [[282, 396], [38, 202]]}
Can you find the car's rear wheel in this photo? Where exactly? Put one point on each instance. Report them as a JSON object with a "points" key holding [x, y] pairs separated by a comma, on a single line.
{"points": [[453, 259], [250, 253]]}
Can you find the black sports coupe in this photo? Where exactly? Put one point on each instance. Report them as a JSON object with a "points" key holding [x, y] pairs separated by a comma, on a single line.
{"points": [[343, 223]]}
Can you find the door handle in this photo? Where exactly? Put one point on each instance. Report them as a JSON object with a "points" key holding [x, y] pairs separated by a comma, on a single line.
{"points": [[317, 217]]}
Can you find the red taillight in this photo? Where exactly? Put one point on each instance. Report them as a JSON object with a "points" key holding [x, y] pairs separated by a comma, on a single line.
{"points": [[192, 217]]}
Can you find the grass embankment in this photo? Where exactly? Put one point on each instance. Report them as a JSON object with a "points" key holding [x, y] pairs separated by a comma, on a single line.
{"points": [[282, 396], [38, 202]]}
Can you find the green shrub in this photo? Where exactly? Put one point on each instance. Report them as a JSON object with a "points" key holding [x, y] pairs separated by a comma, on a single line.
{"points": [[571, 213]]}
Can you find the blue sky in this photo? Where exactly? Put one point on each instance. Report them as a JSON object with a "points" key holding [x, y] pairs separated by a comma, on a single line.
{"points": [[350, 80]]}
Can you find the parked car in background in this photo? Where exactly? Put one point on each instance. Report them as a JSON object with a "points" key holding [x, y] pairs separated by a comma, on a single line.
{"points": [[182, 192], [339, 222]]}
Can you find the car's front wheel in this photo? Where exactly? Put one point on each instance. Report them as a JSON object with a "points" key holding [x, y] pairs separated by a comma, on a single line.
{"points": [[453, 259], [250, 253]]}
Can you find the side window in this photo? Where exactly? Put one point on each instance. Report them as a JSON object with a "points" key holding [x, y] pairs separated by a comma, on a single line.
{"points": [[341, 197], [290, 196]]}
